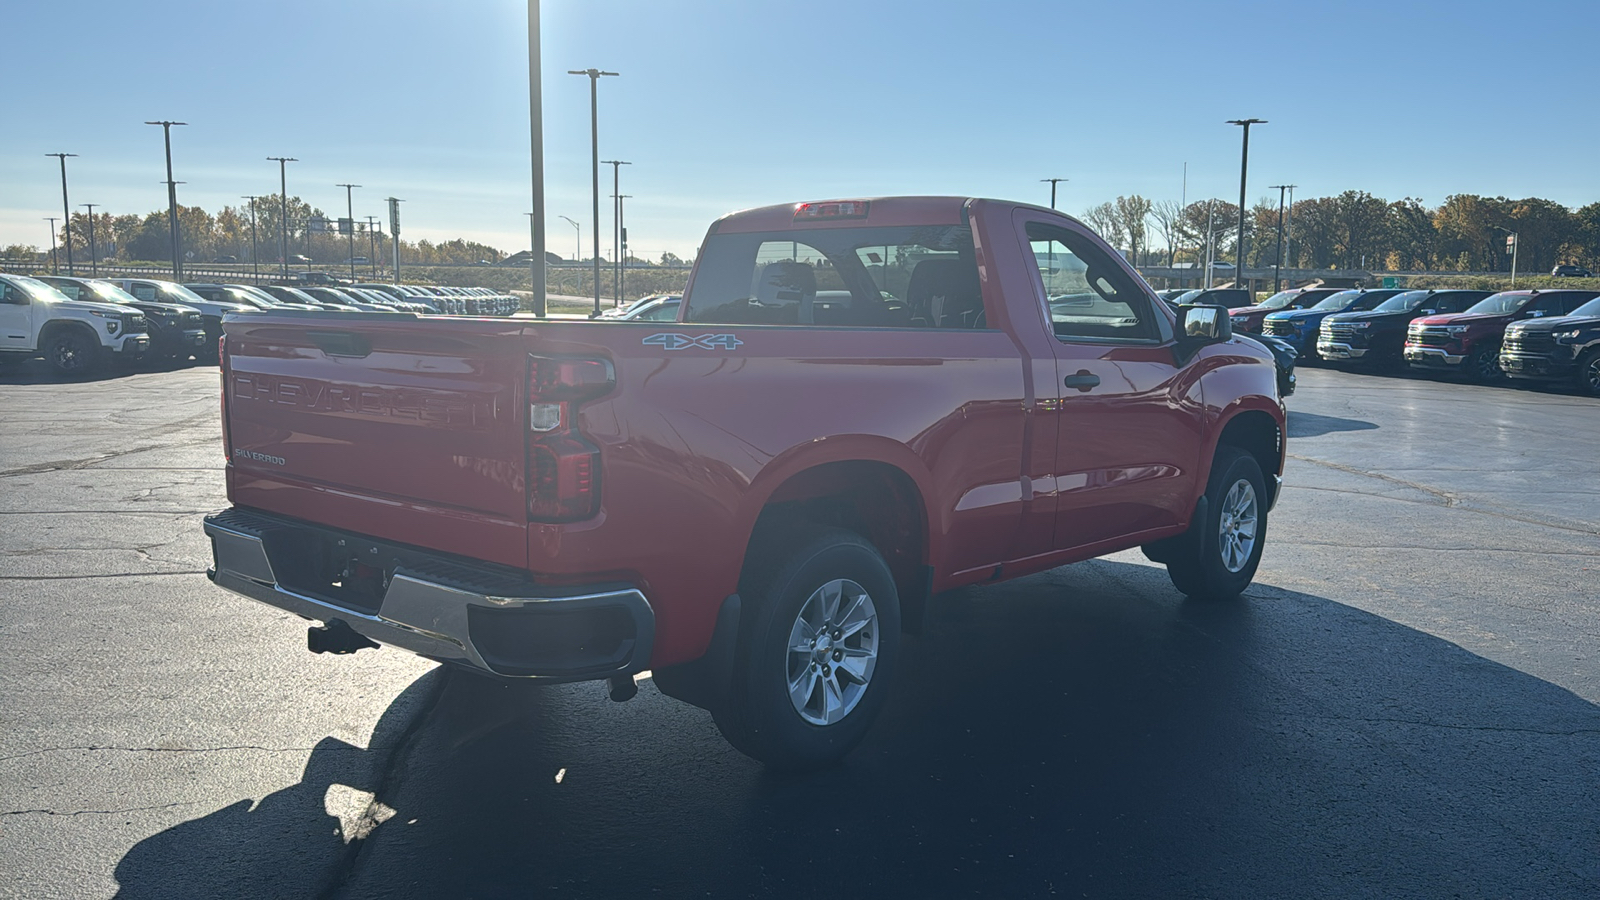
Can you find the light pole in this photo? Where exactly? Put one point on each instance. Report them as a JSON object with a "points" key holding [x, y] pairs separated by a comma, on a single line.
{"points": [[94, 254], [1516, 245], [1288, 228], [536, 135], [394, 233], [1277, 269], [594, 152], [172, 200], [55, 264], [283, 211], [534, 261], [372, 245], [577, 232], [622, 251], [255, 265], [1244, 171], [350, 219], [66, 209], [616, 225], [1053, 182]]}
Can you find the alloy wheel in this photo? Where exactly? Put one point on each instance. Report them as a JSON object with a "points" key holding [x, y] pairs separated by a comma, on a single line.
{"points": [[833, 649], [1236, 538]]}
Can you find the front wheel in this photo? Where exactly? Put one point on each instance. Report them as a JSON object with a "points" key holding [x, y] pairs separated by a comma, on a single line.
{"points": [[1483, 366], [1589, 373], [72, 353], [815, 657], [1218, 556]]}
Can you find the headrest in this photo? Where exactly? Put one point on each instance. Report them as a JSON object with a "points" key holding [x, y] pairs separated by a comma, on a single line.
{"points": [[946, 291], [785, 283]]}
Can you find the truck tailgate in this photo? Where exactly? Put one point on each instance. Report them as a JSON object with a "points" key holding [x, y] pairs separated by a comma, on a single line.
{"points": [[396, 426]]}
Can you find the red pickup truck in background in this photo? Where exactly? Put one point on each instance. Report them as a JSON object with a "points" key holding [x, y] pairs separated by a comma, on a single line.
{"points": [[862, 403]]}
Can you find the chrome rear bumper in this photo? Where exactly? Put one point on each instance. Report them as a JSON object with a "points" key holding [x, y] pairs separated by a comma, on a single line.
{"points": [[435, 606]]}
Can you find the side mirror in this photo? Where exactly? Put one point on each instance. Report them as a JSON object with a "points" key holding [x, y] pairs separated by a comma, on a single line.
{"points": [[1204, 325]]}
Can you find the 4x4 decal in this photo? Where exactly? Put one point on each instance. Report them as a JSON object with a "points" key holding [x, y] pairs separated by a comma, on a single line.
{"points": [[670, 341]]}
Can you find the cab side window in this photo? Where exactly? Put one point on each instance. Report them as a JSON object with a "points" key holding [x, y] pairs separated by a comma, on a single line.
{"points": [[1087, 294], [12, 294]]}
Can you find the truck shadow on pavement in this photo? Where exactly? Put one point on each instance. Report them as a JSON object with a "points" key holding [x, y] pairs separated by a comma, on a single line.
{"points": [[37, 371], [1083, 731], [1304, 424]]}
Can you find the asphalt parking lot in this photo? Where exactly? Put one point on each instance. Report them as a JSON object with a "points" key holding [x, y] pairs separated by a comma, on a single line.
{"points": [[1403, 705]]}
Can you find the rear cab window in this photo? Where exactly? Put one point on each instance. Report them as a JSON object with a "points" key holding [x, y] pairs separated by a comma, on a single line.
{"points": [[922, 276]]}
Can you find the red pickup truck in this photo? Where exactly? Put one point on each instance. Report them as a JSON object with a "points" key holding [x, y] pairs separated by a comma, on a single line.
{"points": [[860, 404]]}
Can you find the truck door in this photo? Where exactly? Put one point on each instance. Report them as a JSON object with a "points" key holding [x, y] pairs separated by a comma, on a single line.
{"points": [[1129, 419], [16, 331]]}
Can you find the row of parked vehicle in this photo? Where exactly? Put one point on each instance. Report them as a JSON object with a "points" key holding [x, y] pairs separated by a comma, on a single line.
{"points": [[1486, 336], [78, 324]]}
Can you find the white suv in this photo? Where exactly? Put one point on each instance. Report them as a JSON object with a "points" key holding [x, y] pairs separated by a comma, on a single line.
{"points": [[74, 336]]}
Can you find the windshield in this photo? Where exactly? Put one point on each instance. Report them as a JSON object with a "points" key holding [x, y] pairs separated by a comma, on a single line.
{"points": [[1402, 302], [1186, 296], [107, 292], [38, 290], [177, 293], [1338, 301], [1279, 300], [1592, 308], [1500, 304]]}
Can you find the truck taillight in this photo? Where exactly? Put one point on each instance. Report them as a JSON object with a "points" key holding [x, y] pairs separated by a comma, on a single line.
{"points": [[222, 363], [563, 467]]}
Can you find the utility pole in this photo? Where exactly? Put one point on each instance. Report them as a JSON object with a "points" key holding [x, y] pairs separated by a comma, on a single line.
{"points": [[1244, 171], [283, 211], [616, 226], [534, 260], [1288, 228], [66, 209], [172, 201], [577, 231], [394, 233], [1211, 223], [1053, 182], [594, 152], [94, 253], [622, 252], [55, 262], [536, 141], [1277, 272], [372, 245], [350, 222]]}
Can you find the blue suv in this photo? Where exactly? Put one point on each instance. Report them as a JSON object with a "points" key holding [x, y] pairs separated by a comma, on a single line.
{"points": [[1298, 327]]}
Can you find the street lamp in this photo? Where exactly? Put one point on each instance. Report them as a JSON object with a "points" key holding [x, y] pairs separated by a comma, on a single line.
{"points": [[55, 264], [594, 152], [283, 210], [616, 226], [1515, 246], [66, 209], [622, 251], [350, 222], [534, 254], [372, 245], [1244, 170], [1277, 257], [172, 200], [577, 233], [1053, 189], [94, 254]]}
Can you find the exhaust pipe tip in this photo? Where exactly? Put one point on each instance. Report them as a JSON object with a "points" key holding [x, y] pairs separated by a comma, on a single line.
{"points": [[336, 637], [621, 688]]}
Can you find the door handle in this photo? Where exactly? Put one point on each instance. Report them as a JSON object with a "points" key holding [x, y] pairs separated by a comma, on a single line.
{"points": [[1083, 381]]}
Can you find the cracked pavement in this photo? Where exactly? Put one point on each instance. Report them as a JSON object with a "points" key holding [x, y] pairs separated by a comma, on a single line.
{"points": [[1403, 705]]}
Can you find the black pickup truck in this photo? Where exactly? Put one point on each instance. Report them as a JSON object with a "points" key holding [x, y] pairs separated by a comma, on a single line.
{"points": [[1558, 349]]}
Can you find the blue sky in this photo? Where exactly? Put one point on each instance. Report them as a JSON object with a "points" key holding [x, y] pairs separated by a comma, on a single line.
{"points": [[722, 105]]}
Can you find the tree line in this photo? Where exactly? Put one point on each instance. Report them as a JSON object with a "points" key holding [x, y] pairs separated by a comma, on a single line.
{"points": [[1356, 230]]}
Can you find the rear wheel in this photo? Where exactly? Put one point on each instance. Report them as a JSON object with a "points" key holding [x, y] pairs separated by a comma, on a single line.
{"points": [[1217, 558], [816, 653], [71, 352], [1589, 373]]}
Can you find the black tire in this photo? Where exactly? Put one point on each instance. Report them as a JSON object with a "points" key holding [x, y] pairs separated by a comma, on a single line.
{"points": [[1589, 373], [72, 352], [1196, 562], [758, 716], [1482, 365]]}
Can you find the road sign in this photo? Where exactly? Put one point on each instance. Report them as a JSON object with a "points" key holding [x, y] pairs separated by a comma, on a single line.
{"points": [[318, 225], [394, 216], [347, 226], [1511, 242], [1390, 282]]}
